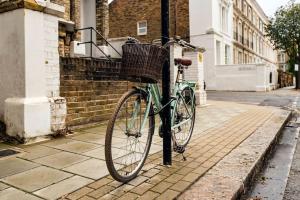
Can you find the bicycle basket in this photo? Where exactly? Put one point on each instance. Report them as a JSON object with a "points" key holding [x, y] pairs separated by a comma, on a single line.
{"points": [[143, 62]]}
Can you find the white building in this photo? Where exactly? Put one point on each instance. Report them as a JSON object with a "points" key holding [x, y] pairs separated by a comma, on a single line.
{"points": [[229, 62], [210, 27]]}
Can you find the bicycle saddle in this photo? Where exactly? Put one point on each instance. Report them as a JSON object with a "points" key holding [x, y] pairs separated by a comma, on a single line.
{"points": [[181, 61]]}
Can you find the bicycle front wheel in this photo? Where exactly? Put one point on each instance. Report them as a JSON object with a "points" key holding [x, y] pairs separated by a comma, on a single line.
{"points": [[184, 117], [129, 136]]}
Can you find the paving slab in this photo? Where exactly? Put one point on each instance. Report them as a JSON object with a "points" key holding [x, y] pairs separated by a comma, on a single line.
{"points": [[36, 178], [62, 188], [61, 160], [34, 152], [57, 142], [13, 166], [99, 130], [92, 168], [77, 146], [89, 137], [3, 186], [96, 153], [15, 194]]}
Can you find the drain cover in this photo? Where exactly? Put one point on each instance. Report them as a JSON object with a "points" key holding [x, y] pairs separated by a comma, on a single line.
{"points": [[7, 152]]}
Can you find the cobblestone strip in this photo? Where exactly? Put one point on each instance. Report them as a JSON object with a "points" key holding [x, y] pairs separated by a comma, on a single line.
{"points": [[160, 182], [229, 178]]}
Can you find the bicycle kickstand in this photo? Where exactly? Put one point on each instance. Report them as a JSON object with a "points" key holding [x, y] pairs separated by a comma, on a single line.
{"points": [[183, 157]]}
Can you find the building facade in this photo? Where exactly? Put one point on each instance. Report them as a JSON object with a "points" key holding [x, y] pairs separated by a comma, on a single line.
{"points": [[231, 31], [142, 19], [239, 57], [282, 61], [35, 35], [210, 27], [250, 43]]}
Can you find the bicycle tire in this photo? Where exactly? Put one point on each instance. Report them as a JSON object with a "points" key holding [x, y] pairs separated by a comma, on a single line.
{"points": [[115, 173], [191, 128]]}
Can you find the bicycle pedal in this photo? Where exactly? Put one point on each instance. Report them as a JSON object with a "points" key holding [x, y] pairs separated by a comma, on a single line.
{"points": [[179, 149]]}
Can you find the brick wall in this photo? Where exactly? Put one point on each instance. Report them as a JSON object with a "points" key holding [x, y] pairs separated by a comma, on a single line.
{"points": [[102, 19], [91, 89], [125, 14]]}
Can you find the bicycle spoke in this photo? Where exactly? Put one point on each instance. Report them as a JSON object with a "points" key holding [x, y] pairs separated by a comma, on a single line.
{"points": [[135, 139], [184, 118]]}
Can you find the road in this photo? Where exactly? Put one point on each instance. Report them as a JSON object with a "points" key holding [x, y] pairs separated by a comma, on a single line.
{"points": [[278, 98], [280, 178]]}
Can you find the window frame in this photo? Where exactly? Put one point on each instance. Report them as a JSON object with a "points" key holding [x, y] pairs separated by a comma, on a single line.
{"points": [[139, 28]]}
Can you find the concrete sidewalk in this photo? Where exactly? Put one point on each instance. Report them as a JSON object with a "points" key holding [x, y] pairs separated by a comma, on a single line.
{"points": [[74, 167]]}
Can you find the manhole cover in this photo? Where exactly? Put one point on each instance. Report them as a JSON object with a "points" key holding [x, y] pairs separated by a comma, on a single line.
{"points": [[7, 152]]}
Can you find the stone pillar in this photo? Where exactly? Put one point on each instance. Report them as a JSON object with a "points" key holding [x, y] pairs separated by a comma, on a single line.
{"points": [[195, 73], [102, 20], [262, 84], [29, 73]]}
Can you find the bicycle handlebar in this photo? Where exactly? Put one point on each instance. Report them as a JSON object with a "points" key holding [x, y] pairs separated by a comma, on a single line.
{"points": [[172, 41]]}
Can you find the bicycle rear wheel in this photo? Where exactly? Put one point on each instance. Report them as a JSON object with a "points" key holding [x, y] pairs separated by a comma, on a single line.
{"points": [[184, 118], [128, 142]]}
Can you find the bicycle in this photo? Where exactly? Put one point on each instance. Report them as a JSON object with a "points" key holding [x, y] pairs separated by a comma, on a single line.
{"points": [[131, 128]]}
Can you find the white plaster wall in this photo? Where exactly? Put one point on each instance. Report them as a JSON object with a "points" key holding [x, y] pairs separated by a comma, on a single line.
{"points": [[205, 31], [34, 54], [12, 57], [201, 18], [117, 43], [209, 43], [236, 78], [216, 15], [29, 71], [250, 77], [88, 19]]}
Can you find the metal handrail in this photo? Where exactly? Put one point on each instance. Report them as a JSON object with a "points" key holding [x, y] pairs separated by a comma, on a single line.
{"points": [[94, 44]]}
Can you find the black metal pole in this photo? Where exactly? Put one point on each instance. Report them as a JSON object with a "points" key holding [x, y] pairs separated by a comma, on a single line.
{"points": [[167, 148]]}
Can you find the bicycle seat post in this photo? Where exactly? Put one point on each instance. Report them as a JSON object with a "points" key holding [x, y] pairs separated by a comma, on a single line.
{"points": [[180, 73]]}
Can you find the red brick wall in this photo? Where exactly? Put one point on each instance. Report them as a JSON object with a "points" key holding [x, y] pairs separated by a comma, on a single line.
{"points": [[92, 89], [124, 15]]}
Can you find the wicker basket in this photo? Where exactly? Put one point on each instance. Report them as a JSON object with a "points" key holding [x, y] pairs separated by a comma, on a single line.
{"points": [[143, 62]]}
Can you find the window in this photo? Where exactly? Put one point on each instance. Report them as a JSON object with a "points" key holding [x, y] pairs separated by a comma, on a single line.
{"points": [[240, 57], [246, 59], [218, 52], [234, 56], [240, 4], [245, 9], [224, 19], [227, 54], [142, 28]]}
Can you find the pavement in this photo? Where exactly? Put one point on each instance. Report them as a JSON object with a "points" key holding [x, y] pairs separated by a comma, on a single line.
{"points": [[74, 167]]}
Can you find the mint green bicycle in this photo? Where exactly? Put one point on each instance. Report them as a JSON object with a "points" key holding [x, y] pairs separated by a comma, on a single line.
{"points": [[131, 128]]}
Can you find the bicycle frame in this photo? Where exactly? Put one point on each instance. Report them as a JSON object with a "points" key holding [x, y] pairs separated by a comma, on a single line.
{"points": [[155, 97]]}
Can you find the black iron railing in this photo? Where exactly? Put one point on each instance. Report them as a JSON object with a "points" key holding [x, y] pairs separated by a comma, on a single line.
{"points": [[93, 44]]}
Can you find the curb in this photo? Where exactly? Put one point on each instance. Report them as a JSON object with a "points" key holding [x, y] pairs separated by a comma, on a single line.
{"points": [[261, 162]]}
